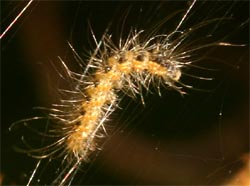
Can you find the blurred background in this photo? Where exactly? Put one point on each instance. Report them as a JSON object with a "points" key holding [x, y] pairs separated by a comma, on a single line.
{"points": [[174, 140]]}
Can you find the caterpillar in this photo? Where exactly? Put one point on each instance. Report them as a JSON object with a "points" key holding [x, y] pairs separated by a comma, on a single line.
{"points": [[137, 63]]}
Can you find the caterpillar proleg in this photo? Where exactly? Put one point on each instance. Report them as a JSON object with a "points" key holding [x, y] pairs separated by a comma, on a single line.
{"points": [[136, 61]]}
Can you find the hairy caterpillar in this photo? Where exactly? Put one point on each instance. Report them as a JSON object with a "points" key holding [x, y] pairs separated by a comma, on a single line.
{"points": [[137, 49]]}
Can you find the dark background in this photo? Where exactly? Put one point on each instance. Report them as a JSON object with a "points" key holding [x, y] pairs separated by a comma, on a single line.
{"points": [[174, 139]]}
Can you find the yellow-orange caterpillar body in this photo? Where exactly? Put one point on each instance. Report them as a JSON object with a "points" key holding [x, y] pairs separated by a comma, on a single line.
{"points": [[122, 70]]}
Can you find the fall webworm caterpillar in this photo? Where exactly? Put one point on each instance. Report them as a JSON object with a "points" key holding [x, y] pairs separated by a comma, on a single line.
{"points": [[130, 83]]}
